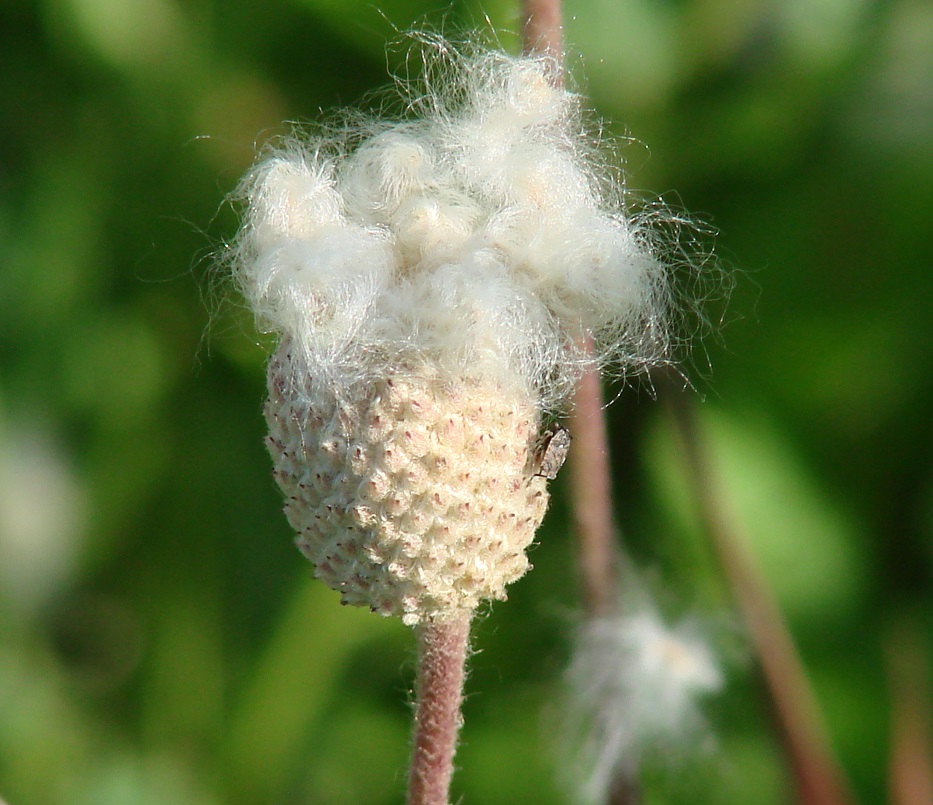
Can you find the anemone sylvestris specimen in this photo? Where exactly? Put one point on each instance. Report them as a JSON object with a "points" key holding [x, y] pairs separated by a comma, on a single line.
{"points": [[433, 278]]}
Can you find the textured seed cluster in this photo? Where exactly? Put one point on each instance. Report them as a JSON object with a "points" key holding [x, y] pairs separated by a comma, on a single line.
{"points": [[416, 497]]}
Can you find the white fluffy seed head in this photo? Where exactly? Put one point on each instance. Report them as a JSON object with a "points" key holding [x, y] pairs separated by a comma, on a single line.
{"points": [[478, 232], [472, 243], [634, 691]]}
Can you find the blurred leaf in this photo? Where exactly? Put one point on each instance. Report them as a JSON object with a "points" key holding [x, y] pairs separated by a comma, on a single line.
{"points": [[803, 543]]}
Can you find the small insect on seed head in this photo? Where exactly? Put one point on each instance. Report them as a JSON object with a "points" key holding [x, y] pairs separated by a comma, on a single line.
{"points": [[551, 451]]}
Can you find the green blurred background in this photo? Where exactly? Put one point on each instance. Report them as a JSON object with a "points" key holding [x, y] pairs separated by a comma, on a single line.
{"points": [[161, 641]]}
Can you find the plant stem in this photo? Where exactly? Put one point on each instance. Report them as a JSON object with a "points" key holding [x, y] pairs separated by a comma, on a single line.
{"points": [[591, 493], [442, 651], [542, 28], [590, 472], [818, 777], [910, 766], [590, 475]]}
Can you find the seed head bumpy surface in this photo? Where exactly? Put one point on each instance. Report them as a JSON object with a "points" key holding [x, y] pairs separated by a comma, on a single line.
{"points": [[417, 498]]}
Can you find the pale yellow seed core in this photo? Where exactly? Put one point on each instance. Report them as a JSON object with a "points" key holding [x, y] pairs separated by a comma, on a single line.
{"points": [[417, 497]]}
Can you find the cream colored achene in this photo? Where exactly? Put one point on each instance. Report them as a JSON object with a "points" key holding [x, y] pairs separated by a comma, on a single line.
{"points": [[417, 498]]}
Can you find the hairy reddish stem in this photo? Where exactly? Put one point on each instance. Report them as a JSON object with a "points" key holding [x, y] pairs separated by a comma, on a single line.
{"points": [[590, 471], [442, 651], [590, 475], [542, 28]]}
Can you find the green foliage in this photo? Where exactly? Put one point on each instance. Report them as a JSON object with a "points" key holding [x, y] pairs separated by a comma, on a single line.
{"points": [[160, 639]]}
